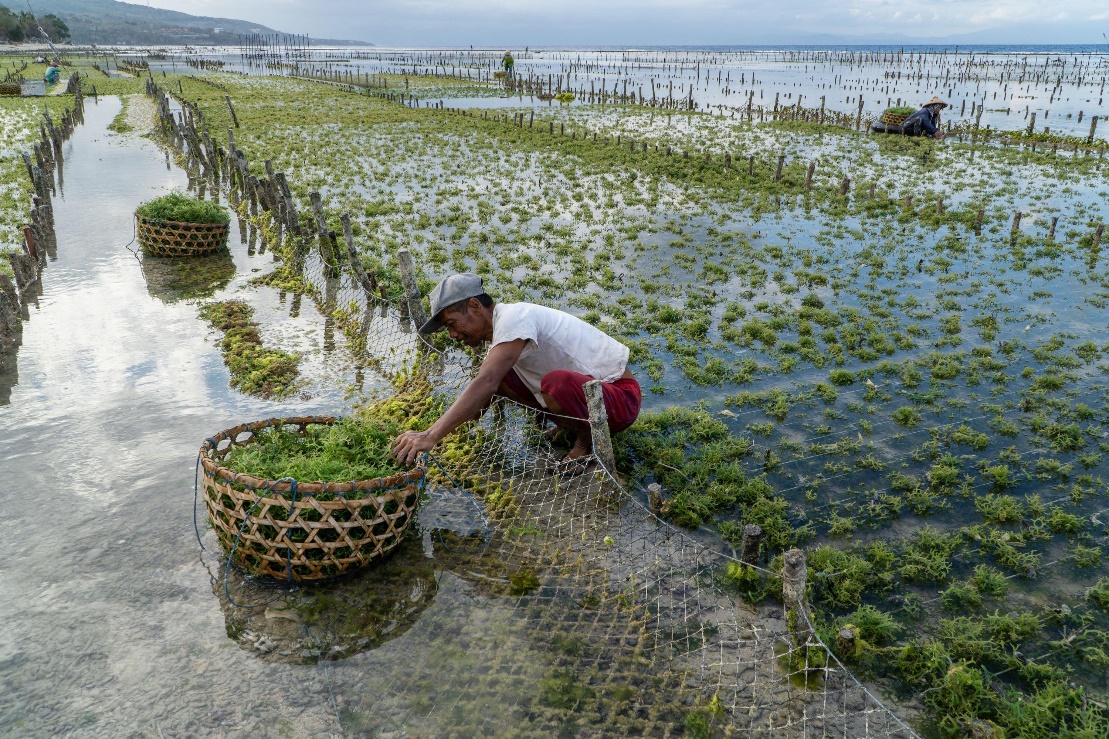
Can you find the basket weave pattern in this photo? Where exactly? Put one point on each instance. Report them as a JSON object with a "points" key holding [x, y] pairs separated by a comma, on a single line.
{"points": [[179, 239], [290, 530], [893, 119]]}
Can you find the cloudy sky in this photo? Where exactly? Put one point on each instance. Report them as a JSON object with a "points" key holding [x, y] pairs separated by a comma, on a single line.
{"points": [[656, 22]]}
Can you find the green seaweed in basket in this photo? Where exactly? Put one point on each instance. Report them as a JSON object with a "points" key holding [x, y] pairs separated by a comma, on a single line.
{"points": [[346, 450], [900, 110], [177, 206]]}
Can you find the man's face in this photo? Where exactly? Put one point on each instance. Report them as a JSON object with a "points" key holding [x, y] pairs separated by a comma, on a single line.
{"points": [[465, 326]]}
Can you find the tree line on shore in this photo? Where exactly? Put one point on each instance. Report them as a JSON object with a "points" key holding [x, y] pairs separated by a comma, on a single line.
{"points": [[23, 25]]}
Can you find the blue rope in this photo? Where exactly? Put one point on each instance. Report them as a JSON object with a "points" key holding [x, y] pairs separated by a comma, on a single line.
{"points": [[231, 554], [196, 487]]}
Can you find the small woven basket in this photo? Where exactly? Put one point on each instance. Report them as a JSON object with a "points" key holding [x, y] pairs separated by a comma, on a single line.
{"points": [[309, 531], [180, 239], [893, 119]]}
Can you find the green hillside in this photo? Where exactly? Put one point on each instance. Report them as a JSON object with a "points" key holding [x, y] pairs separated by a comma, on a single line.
{"points": [[110, 22]]}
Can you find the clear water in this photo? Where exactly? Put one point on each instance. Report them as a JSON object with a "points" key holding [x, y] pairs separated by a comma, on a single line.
{"points": [[111, 625]]}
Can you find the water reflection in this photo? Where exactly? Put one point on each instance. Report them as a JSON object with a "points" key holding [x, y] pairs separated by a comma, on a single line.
{"points": [[332, 620], [355, 614], [172, 279]]}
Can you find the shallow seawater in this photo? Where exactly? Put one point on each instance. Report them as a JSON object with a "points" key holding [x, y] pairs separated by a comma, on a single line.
{"points": [[119, 624], [112, 625], [1007, 88], [430, 641]]}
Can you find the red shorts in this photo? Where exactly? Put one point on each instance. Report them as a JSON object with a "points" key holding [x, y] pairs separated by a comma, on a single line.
{"points": [[623, 397]]}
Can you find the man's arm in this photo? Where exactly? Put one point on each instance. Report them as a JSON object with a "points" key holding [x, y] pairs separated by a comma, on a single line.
{"points": [[500, 359]]}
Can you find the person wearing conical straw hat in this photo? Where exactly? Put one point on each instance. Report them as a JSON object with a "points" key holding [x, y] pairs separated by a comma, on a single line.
{"points": [[926, 121], [509, 64]]}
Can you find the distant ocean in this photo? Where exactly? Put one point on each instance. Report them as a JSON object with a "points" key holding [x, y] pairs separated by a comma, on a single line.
{"points": [[1007, 49]]}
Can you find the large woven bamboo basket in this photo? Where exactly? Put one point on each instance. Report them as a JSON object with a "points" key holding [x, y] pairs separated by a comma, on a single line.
{"points": [[302, 531], [893, 119], [180, 239]]}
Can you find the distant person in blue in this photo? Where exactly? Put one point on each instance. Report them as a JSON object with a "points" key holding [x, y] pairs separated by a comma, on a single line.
{"points": [[926, 121], [52, 74]]}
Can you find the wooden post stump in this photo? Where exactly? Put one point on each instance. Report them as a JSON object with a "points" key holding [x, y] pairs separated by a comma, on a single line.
{"points": [[654, 498], [846, 643], [752, 541], [794, 573]]}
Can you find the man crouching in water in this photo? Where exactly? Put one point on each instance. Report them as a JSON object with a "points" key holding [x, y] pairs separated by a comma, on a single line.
{"points": [[539, 357]]}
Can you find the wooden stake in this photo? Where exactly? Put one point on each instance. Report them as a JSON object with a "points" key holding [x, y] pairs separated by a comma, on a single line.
{"points": [[411, 288], [752, 540], [368, 280], [654, 498], [234, 118], [598, 422], [845, 641], [794, 572]]}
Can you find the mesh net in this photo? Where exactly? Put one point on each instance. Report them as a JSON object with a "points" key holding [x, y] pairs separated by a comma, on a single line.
{"points": [[536, 602], [557, 603]]}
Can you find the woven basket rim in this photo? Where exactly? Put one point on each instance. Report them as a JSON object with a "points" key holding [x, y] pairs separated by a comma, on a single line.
{"points": [[214, 469], [180, 224]]}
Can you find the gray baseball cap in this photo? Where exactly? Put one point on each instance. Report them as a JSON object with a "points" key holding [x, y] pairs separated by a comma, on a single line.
{"points": [[448, 292]]}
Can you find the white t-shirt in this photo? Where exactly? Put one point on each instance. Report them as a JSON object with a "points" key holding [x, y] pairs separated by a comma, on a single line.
{"points": [[557, 341]]}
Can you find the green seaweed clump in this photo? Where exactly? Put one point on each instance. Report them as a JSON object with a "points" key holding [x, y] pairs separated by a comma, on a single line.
{"points": [[177, 206], [352, 448], [255, 370]]}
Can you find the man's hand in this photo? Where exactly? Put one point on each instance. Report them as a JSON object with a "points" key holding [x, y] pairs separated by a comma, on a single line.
{"points": [[410, 445], [467, 406], [939, 134]]}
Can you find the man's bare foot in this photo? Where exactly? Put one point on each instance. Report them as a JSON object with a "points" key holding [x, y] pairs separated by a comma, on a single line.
{"points": [[583, 447]]}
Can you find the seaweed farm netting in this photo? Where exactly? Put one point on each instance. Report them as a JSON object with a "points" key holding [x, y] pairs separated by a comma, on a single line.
{"points": [[609, 620], [873, 549]]}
